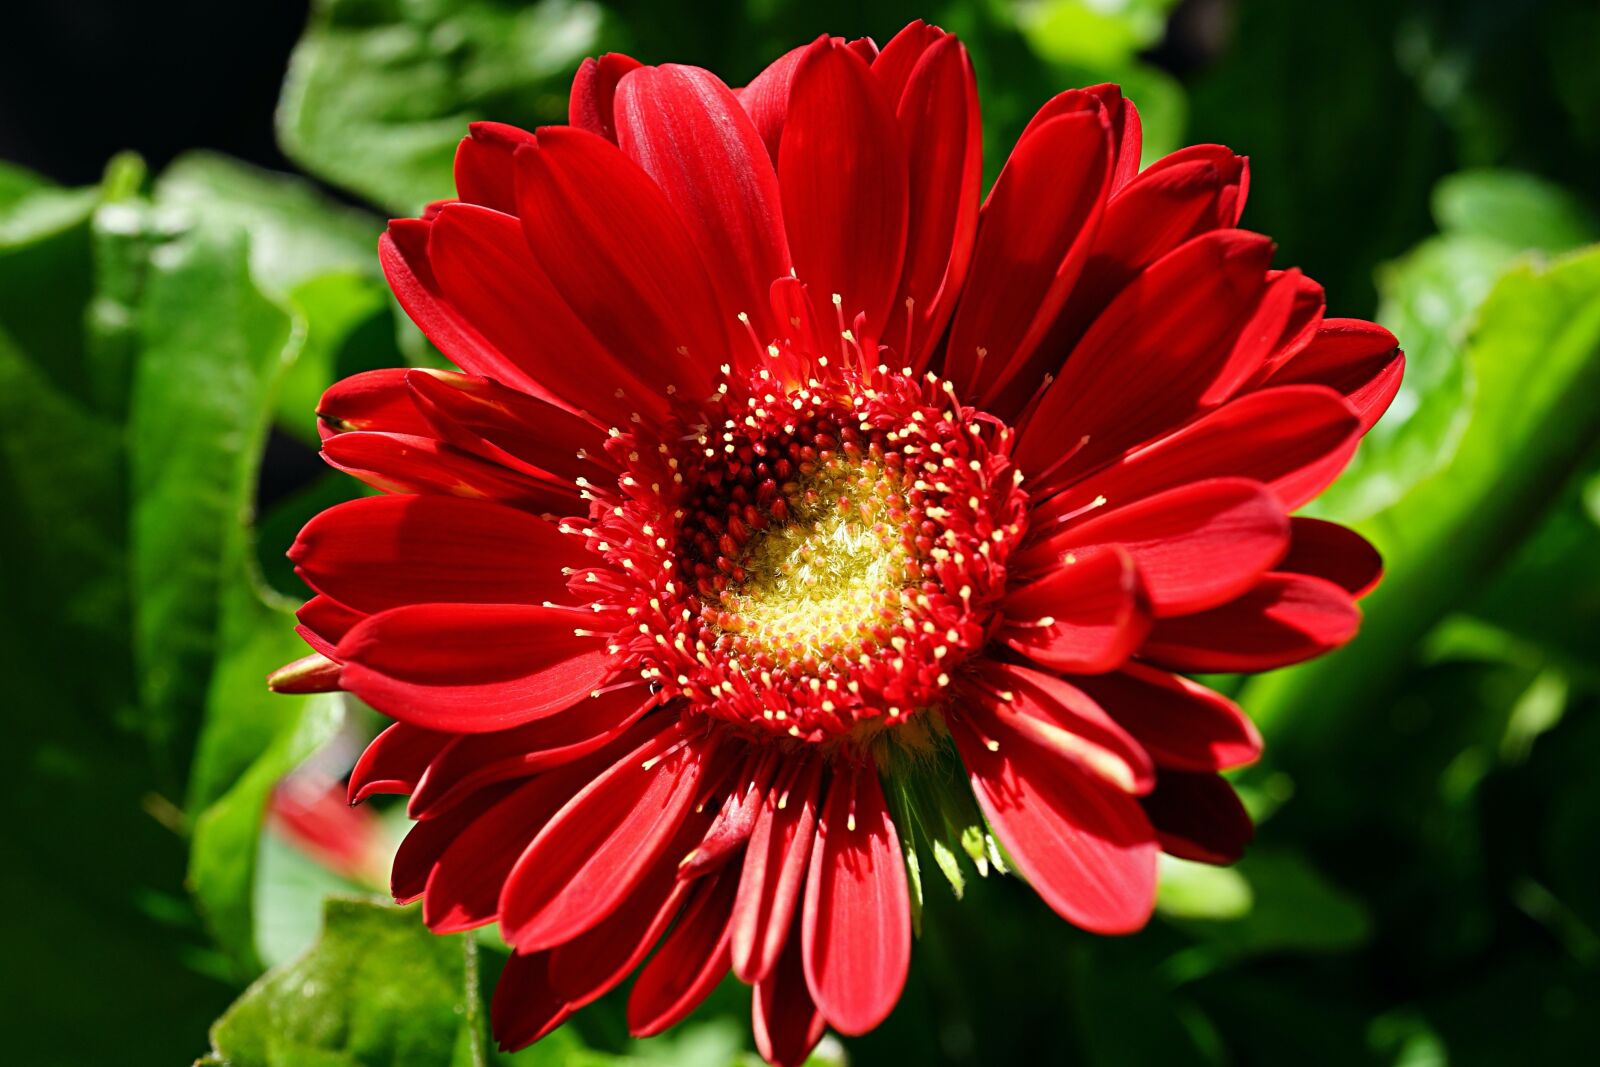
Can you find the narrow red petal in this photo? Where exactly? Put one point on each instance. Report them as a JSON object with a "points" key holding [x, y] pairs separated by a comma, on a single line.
{"points": [[1061, 720], [1151, 359], [1182, 724], [600, 226], [1285, 619], [684, 127], [487, 273], [690, 961], [1336, 553], [775, 864], [484, 171], [525, 1007], [371, 400], [401, 463], [472, 761], [380, 552], [471, 668], [594, 91], [857, 922], [1361, 360], [785, 1019], [1296, 439], [1086, 616], [1086, 848], [843, 174], [1199, 817], [1196, 546], [1034, 233], [941, 127], [597, 849], [395, 760]]}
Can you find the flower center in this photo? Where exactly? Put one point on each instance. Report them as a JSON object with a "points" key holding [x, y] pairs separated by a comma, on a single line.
{"points": [[834, 577], [812, 562]]}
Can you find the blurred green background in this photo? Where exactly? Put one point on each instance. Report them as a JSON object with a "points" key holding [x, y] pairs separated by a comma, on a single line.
{"points": [[1424, 888]]}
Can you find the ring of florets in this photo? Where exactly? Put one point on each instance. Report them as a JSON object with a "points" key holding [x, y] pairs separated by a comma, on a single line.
{"points": [[810, 561]]}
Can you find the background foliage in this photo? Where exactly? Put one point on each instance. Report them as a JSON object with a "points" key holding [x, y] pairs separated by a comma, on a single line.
{"points": [[1424, 889]]}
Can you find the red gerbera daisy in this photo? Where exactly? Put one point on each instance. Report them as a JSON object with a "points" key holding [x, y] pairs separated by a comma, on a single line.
{"points": [[782, 484]]}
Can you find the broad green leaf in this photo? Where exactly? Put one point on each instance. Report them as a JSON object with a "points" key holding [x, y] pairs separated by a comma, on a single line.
{"points": [[1516, 209], [211, 347], [17, 181], [1295, 909], [1200, 891], [379, 92], [376, 990], [1534, 416], [94, 856], [1427, 298], [297, 232]]}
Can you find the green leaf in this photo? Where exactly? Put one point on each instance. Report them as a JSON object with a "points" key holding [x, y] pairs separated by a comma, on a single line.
{"points": [[1188, 890], [211, 348], [16, 182], [1294, 909], [1516, 209], [95, 855], [379, 92], [297, 233], [1534, 416], [376, 990]]}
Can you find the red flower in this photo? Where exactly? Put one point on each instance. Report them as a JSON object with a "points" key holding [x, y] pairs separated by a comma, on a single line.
{"points": [[780, 471]]}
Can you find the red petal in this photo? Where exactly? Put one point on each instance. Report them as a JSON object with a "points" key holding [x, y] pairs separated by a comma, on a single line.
{"points": [[401, 463], [426, 841], [1296, 439], [592, 855], [1360, 360], [324, 622], [941, 128], [484, 172], [487, 273], [471, 668], [1196, 546], [1182, 724], [593, 963], [1181, 196], [689, 963], [525, 1007], [843, 174], [1059, 719], [379, 552], [403, 252], [463, 891], [1036, 228], [857, 922], [508, 426], [601, 227], [1286, 619], [775, 863], [785, 1019], [371, 400], [472, 761], [1086, 616], [1151, 360], [395, 760], [1086, 848], [1198, 817], [766, 98], [1337, 553], [893, 65], [594, 91], [683, 126]]}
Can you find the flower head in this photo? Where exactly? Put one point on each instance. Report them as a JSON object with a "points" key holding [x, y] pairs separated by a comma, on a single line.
{"points": [[782, 486]]}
